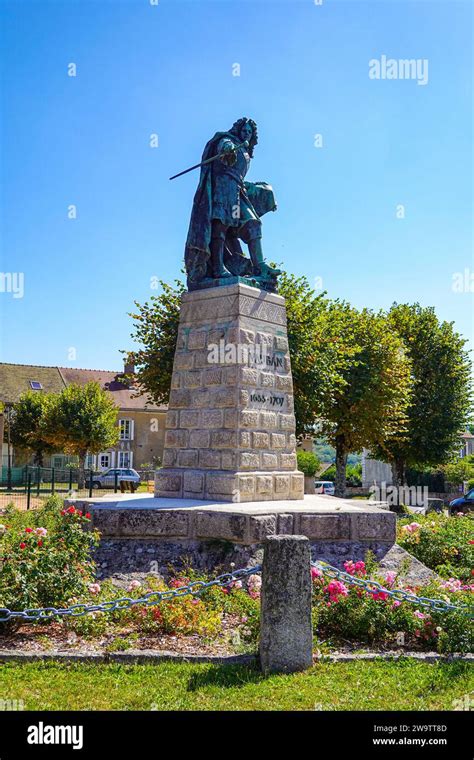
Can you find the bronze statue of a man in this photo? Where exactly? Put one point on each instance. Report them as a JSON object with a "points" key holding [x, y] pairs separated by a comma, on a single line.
{"points": [[227, 209]]}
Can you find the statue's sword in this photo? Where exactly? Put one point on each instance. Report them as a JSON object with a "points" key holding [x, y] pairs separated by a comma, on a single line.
{"points": [[209, 160]]}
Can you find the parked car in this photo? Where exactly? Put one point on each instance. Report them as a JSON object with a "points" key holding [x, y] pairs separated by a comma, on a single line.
{"points": [[324, 486], [108, 478], [463, 503], [435, 505]]}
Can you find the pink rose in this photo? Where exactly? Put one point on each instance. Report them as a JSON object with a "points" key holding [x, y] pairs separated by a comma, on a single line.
{"points": [[390, 578], [419, 615]]}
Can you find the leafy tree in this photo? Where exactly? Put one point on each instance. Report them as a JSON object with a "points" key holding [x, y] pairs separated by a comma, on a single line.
{"points": [[156, 330], [314, 324], [29, 422], [82, 420], [441, 391], [368, 403], [350, 375], [313, 357]]}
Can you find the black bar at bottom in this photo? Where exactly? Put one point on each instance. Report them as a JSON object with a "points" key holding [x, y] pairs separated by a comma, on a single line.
{"points": [[376, 734]]}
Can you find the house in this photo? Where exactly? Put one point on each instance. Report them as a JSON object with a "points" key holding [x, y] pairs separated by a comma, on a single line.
{"points": [[467, 444], [141, 422], [374, 471]]}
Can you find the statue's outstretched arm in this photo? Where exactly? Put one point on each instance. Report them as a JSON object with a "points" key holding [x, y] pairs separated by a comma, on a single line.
{"points": [[227, 147]]}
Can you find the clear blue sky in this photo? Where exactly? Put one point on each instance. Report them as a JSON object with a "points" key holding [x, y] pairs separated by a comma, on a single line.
{"points": [[167, 69]]}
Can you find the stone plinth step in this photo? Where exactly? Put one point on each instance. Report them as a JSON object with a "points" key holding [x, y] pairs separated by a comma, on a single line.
{"points": [[320, 518]]}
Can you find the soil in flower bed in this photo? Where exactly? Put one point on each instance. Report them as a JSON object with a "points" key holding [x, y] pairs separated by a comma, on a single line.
{"points": [[55, 637]]}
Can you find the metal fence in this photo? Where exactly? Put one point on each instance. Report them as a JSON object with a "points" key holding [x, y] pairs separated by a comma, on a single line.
{"points": [[27, 487]]}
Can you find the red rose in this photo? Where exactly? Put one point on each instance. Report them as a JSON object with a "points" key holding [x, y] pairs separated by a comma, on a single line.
{"points": [[28, 530], [71, 510], [88, 515], [40, 543], [22, 546]]}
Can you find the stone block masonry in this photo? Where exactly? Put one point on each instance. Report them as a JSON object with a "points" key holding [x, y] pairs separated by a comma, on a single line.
{"points": [[230, 428], [138, 529]]}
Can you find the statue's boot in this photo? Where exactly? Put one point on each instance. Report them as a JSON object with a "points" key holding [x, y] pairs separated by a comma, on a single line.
{"points": [[260, 267], [217, 258]]}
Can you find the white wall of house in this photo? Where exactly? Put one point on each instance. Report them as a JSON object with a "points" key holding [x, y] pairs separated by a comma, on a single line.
{"points": [[375, 471]]}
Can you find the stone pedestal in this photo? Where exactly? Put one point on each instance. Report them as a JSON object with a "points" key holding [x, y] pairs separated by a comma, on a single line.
{"points": [[230, 427]]}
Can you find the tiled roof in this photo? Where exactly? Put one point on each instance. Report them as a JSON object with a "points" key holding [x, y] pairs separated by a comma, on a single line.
{"points": [[124, 397], [15, 380]]}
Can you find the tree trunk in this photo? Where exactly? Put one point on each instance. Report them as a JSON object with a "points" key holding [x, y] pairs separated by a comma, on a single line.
{"points": [[39, 459], [399, 473], [81, 478], [341, 462]]}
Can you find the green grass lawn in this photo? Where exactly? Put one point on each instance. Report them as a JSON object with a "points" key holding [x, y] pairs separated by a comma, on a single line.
{"points": [[380, 685]]}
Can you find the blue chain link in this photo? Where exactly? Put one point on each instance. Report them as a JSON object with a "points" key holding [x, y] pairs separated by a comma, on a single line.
{"points": [[439, 605], [197, 587], [153, 597]]}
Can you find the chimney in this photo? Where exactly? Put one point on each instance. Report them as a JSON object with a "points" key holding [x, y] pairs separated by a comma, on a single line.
{"points": [[129, 365]]}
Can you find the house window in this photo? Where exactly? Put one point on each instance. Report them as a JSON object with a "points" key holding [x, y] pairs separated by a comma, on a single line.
{"points": [[105, 461], [126, 430], [90, 464], [125, 458], [35, 385]]}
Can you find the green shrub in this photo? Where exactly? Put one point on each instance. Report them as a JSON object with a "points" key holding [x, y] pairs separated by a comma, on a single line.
{"points": [[308, 463], [343, 612], [444, 544], [45, 556], [330, 473], [353, 474]]}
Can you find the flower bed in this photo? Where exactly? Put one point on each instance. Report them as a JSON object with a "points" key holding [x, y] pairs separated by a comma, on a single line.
{"points": [[45, 556], [342, 612], [46, 561], [444, 544]]}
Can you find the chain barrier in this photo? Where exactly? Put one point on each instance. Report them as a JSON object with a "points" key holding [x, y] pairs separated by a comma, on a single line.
{"points": [[153, 597], [226, 579], [400, 595]]}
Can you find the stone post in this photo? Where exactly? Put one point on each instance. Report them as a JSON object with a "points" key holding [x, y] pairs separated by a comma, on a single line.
{"points": [[286, 635]]}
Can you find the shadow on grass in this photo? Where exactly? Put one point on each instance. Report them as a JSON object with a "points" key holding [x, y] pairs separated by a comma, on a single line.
{"points": [[226, 676]]}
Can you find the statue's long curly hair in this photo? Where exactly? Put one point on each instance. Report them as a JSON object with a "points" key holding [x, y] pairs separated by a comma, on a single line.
{"points": [[237, 126]]}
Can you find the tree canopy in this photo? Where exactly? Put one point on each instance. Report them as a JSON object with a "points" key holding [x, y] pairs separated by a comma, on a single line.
{"points": [[29, 424], [441, 394], [396, 383], [81, 420]]}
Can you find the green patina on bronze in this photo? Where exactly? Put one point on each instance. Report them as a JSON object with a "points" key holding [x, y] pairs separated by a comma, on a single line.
{"points": [[227, 210]]}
